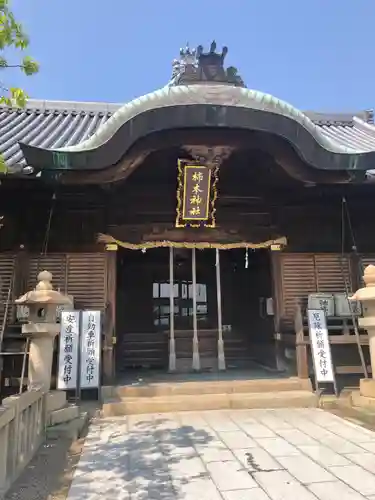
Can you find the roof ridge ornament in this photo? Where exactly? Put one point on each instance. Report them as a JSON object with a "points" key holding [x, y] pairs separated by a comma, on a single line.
{"points": [[212, 55], [198, 67], [187, 52]]}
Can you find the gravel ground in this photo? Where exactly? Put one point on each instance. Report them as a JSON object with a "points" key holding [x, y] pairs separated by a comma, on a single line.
{"points": [[50, 473]]}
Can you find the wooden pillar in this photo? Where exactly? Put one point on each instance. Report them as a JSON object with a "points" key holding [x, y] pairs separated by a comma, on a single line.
{"points": [[301, 347], [220, 342], [356, 272], [21, 278], [278, 307], [196, 359], [172, 345], [110, 319], [22, 264]]}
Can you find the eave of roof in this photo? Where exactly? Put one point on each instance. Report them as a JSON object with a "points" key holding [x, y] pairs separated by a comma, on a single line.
{"points": [[79, 125]]}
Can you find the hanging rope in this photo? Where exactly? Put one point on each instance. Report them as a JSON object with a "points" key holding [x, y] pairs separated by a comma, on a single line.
{"points": [[44, 248], [354, 244], [48, 228], [347, 292], [201, 245]]}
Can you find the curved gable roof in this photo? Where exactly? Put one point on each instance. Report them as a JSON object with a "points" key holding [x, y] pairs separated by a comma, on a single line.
{"points": [[76, 127], [221, 96]]}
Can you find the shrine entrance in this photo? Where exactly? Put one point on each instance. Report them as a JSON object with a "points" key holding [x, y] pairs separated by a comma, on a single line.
{"points": [[183, 293], [216, 315]]}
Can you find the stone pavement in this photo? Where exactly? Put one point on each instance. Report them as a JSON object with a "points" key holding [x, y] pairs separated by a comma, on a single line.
{"points": [[291, 454]]}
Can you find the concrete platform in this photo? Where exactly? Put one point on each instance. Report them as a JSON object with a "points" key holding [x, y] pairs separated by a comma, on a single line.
{"points": [[296, 454]]}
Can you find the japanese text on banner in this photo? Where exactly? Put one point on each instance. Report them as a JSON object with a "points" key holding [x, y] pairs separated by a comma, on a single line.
{"points": [[90, 349], [68, 352], [320, 346], [196, 195]]}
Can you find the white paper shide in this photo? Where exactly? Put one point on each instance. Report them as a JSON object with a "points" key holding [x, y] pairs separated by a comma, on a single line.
{"points": [[68, 353], [90, 349], [321, 349]]}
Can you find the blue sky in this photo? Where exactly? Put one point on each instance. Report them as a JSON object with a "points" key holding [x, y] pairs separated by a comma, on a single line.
{"points": [[316, 54]]}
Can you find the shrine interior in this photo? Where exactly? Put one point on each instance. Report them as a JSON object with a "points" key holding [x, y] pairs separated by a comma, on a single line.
{"points": [[143, 308]]}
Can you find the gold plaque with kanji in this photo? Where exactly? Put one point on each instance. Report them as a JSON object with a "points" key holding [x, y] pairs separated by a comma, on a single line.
{"points": [[195, 196]]}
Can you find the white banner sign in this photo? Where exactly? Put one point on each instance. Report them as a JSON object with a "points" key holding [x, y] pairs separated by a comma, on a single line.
{"points": [[320, 347], [90, 349], [68, 352]]}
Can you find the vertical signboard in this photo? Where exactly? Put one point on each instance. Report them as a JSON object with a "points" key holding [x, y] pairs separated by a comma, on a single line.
{"points": [[90, 349], [68, 352], [320, 347], [196, 195]]}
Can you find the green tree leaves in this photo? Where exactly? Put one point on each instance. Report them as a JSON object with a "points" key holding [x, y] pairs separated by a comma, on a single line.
{"points": [[13, 36], [11, 32], [29, 66], [3, 167]]}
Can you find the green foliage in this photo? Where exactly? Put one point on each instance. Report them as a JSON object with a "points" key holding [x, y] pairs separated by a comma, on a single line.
{"points": [[12, 36], [3, 167]]}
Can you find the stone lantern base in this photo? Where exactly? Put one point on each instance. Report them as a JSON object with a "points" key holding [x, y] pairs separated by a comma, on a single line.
{"points": [[42, 328], [365, 397], [366, 394], [367, 388]]}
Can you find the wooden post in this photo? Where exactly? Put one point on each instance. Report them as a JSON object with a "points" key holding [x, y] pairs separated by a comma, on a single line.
{"points": [[21, 277], [172, 346], [22, 264], [355, 272], [278, 305], [301, 347], [220, 342], [110, 319], [196, 360]]}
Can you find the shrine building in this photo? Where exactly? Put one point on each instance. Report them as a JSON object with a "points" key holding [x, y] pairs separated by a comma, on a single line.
{"points": [[195, 217]]}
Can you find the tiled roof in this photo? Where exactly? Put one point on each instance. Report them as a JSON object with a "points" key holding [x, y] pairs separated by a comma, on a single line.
{"points": [[57, 124]]}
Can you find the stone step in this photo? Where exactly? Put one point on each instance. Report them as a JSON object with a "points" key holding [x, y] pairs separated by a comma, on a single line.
{"points": [[351, 405], [203, 402], [332, 402], [69, 430], [63, 415], [161, 389], [358, 415], [55, 400]]}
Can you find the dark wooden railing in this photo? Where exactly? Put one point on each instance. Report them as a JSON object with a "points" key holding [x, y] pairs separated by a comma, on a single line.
{"points": [[341, 333]]}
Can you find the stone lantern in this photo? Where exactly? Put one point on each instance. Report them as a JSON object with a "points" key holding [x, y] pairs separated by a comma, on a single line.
{"points": [[366, 295], [42, 327]]}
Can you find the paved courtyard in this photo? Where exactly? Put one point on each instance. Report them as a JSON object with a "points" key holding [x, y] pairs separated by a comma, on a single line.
{"points": [[300, 454]]}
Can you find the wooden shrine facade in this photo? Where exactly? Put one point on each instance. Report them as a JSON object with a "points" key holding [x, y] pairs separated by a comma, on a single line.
{"points": [[250, 193], [61, 231], [91, 278]]}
